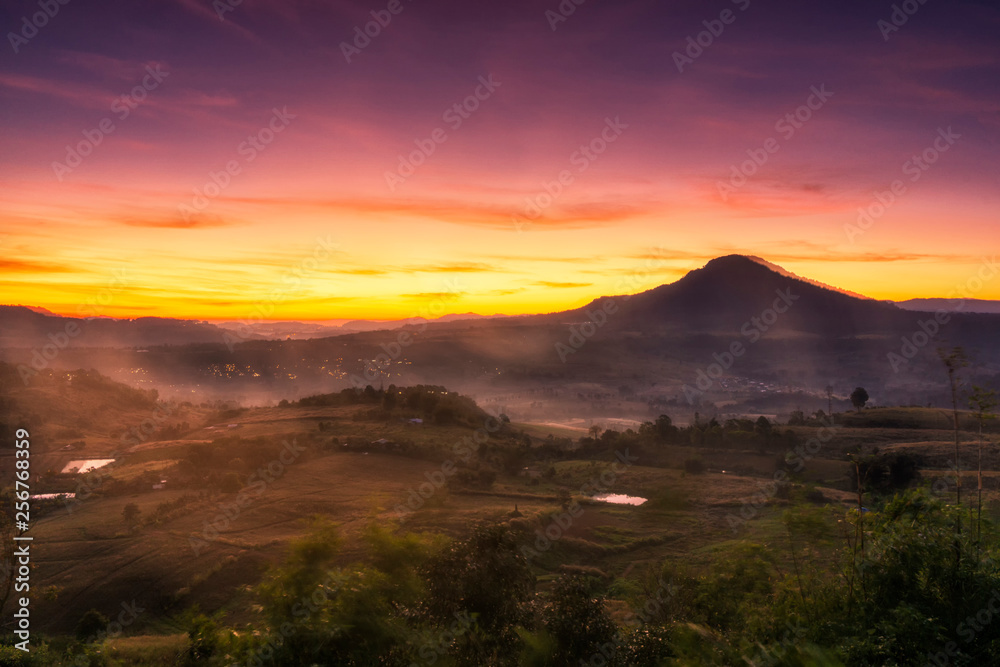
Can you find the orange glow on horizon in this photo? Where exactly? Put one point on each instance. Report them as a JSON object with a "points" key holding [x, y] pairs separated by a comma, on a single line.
{"points": [[360, 259], [247, 186]]}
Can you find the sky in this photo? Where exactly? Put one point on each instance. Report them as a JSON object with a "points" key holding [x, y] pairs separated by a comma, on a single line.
{"points": [[266, 158]]}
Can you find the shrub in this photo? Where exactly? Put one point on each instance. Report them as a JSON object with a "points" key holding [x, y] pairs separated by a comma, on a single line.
{"points": [[90, 625]]}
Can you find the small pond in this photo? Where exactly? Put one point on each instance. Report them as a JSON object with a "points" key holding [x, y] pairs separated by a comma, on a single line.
{"points": [[619, 499], [85, 465]]}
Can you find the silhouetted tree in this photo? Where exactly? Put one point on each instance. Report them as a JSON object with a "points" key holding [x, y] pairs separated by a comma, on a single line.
{"points": [[859, 397], [762, 427], [390, 397], [665, 429], [91, 624]]}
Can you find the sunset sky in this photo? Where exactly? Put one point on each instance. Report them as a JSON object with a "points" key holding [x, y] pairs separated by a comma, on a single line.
{"points": [[311, 223]]}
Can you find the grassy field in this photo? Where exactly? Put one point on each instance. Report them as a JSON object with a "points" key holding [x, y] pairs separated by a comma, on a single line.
{"points": [[195, 547]]}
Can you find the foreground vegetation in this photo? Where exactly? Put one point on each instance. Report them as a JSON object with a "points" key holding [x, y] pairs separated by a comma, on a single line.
{"points": [[444, 535], [903, 587]]}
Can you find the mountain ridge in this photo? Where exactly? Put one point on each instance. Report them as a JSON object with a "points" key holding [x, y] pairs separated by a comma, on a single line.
{"points": [[729, 291], [720, 296], [932, 304]]}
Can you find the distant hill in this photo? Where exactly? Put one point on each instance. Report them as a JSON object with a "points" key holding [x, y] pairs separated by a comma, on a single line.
{"points": [[799, 336], [30, 327], [285, 329], [78, 405], [956, 305], [38, 309], [376, 325], [21, 326]]}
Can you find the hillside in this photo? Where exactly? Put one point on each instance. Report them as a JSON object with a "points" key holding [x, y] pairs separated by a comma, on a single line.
{"points": [[951, 305], [796, 338], [25, 327], [728, 291], [218, 501]]}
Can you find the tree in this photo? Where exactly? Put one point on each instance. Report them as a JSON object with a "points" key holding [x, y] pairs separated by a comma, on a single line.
{"points": [[982, 402], [354, 615], [888, 473], [577, 620], [514, 458], [913, 593], [390, 397], [665, 429], [762, 427], [859, 397], [487, 579], [91, 624]]}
